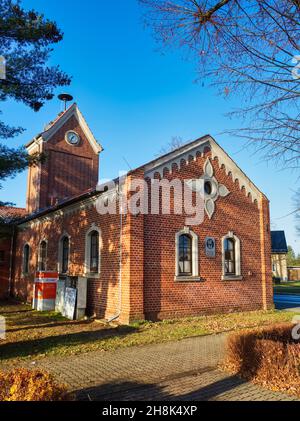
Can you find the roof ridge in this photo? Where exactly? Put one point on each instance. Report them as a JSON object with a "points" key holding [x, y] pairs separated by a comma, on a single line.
{"points": [[58, 117], [61, 119], [11, 207]]}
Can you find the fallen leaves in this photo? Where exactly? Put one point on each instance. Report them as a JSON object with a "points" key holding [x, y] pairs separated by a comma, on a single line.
{"points": [[268, 357], [26, 385]]}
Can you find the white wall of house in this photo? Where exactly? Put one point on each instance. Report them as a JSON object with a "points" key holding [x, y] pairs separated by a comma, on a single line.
{"points": [[279, 266]]}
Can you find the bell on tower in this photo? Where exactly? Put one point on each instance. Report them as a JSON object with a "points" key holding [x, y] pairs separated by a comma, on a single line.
{"points": [[71, 165]]}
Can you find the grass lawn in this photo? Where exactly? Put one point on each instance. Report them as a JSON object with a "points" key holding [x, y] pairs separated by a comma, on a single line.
{"points": [[32, 335], [290, 284], [288, 288]]}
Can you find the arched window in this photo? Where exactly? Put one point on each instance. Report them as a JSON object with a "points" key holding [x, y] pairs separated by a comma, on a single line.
{"points": [[230, 264], [231, 247], [93, 247], [187, 264], [65, 244], [94, 252], [185, 255], [43, 256], [26, 253]]}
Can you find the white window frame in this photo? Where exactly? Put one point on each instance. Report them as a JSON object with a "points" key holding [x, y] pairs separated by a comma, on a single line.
{"points": [[237, 249], [87, 260], [60, 253], [195, 256]]}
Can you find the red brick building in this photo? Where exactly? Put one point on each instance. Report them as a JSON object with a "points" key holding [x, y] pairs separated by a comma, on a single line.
{"points": [[142, 265]]}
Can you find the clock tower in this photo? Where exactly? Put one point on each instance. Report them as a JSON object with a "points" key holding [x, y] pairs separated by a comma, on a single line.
{"points": [[70, 165]]}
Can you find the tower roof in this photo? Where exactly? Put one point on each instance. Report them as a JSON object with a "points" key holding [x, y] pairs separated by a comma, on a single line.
{"points": [[59, 121]]}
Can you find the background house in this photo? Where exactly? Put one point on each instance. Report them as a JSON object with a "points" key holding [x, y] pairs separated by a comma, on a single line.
{"points": [[294, 273], [279, 255]]}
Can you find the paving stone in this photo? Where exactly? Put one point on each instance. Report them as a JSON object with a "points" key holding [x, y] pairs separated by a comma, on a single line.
{"points": [[182, 370]]}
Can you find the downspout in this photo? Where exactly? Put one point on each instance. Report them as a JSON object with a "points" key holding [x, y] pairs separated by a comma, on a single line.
{"points": [[120, 257], [11, 260], [263, 255]]}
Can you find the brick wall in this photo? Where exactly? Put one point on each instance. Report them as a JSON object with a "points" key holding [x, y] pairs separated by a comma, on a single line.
{"points": [[165, 298], [103, 289], [5, 253], [132, 260], [148, 256], [67, 171]]}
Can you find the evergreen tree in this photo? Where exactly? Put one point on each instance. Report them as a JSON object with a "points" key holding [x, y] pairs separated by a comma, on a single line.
{"points": [[25, 40]]}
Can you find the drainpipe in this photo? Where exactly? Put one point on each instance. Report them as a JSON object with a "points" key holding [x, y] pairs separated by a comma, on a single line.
{"points": [[11, 259], [263, 256], [120, 257]]}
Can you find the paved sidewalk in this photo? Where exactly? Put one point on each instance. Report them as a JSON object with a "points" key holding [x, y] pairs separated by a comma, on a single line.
{"points": [[182, 370]]}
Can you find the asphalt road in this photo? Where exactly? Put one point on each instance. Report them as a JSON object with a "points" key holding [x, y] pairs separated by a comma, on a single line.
{"points": [[287, 301]]}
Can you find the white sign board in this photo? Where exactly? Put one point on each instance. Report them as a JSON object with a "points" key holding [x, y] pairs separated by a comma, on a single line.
{"points": [[210, 247], [70, 303], [82, 293], [60, 297], [2, 328], [2, 68]]}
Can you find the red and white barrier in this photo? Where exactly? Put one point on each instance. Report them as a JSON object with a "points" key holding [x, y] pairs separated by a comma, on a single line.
{"points": [[45, 286]]}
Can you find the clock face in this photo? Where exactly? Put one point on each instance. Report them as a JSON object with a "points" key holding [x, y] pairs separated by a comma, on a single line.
{"points": [[73, 138]]}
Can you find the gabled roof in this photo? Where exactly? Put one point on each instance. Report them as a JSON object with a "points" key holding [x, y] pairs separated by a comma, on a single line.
{"points": [[166, 161], [279, 244], [60, 205], [198, 146], [60, 120], [9, 214]]}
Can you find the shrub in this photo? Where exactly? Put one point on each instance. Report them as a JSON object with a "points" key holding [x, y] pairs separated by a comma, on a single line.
{"points": [[269, 357], [27, 385]]}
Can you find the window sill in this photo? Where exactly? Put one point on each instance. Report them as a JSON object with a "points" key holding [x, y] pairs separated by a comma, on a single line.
{"points": [[92, 275], [188, 279], [232, 278]]}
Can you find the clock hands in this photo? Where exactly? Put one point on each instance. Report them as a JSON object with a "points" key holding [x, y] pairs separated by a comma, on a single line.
{"points": [[73, 138]]}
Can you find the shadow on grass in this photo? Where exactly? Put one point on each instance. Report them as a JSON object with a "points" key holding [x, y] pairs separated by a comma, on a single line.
{"points": [[50, 324], [35, 319], [13, 306], [23, 349], [15, 312]]}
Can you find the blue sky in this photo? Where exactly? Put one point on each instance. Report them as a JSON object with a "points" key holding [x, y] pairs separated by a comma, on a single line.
{"points": [[136, 98]]}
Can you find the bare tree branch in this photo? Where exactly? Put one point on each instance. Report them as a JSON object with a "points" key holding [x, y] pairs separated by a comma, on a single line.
{"points": [[245, 48]]}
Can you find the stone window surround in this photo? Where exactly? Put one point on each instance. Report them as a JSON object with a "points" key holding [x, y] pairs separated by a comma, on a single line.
{"points": [[87, 272], [60, 252], [195, 253], [237, 247], [39, 254]]}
